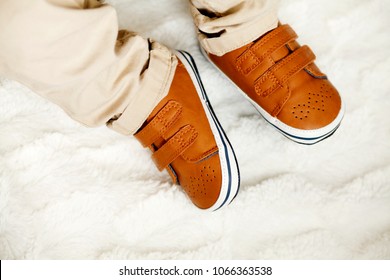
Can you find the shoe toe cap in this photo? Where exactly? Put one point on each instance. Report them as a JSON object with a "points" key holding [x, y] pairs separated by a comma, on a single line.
{"points": [[202, 181], [311, 107]]}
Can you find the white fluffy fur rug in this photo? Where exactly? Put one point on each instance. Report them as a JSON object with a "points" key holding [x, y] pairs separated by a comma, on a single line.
{"points": [[69, 192]]}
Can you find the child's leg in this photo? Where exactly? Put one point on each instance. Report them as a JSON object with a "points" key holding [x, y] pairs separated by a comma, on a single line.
{"points": [[70, 52], [225, 25]]}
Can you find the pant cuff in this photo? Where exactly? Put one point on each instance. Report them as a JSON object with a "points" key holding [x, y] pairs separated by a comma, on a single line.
{"points": [[156, 82], [240, 37]]}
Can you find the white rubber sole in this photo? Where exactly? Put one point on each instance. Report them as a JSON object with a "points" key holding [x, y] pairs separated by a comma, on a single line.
{"points": [[229, 166], [307, 137]]}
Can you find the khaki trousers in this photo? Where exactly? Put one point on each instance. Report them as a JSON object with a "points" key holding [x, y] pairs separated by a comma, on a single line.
{"points": [[72, 53]]}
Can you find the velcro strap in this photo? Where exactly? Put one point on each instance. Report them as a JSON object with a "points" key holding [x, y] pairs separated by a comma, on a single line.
{"points": [[271, 42], [180, 142], [281, 72], [164, 119]]}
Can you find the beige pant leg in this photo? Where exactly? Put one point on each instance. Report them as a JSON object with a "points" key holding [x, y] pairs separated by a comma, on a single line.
{"points": [[70, 52], [225, 25]]}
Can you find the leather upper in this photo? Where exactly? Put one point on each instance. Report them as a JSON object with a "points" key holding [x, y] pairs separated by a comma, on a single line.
{"points": [[179, 134], [280, 76]]}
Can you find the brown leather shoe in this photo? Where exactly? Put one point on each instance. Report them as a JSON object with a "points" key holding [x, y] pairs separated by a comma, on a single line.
{"points": [[280, 79], [188, 141]]}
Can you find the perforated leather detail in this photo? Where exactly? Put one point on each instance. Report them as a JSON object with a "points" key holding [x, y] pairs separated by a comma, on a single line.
{"points": [[316, 103], [197, 185]]}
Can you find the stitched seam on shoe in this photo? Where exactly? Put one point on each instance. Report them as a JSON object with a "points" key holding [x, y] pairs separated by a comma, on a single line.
{"points": [[165, 122], [257, 45], [252, 67], [269, 38], [183, 143], [180, 139], [271, 49], [295, 69], [285, 77], [160, 119], [288, 59], [261, 43], [269, 75]]}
